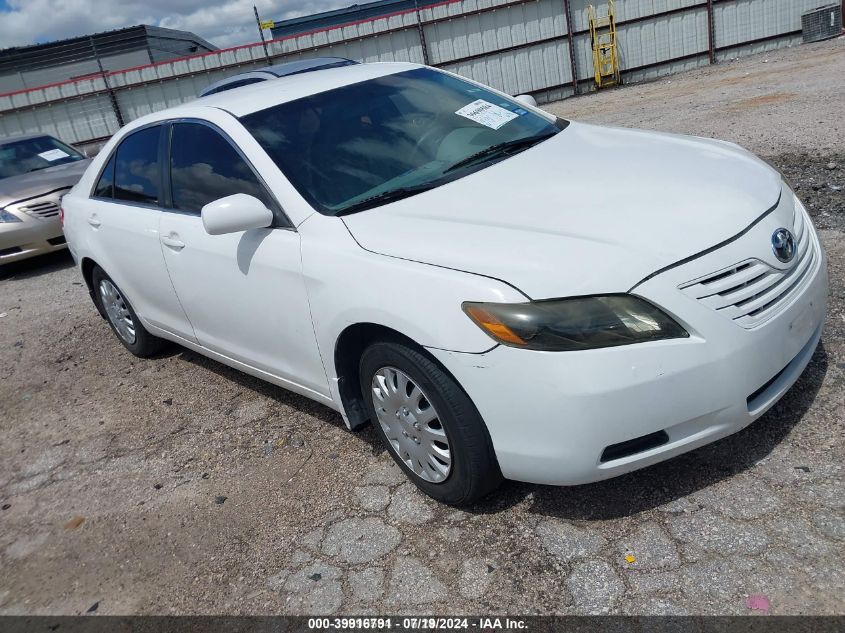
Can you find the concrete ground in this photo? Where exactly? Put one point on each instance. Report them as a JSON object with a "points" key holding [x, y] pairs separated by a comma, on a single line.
{"points": [[177, 485]]}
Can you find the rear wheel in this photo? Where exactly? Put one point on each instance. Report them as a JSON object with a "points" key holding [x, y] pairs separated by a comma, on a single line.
{"points": [[429, 425], [122, 318]]}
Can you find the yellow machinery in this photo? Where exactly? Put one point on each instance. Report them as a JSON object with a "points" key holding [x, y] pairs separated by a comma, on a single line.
{"points": [[603, 39]]}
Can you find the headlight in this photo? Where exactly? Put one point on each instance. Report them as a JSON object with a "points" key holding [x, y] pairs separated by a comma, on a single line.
{"points": [[5, 216], [572, 324]]}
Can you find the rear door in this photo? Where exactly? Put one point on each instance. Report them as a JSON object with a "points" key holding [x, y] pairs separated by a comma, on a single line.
{"points": [[243, 292], [123, 215]]}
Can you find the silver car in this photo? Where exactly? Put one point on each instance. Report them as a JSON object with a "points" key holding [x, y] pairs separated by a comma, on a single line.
{"points": [[35, 171]]}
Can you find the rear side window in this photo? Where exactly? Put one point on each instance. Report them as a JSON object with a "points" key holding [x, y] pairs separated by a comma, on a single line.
{"points": [[105, 186], [205, 167], [136, 174]]}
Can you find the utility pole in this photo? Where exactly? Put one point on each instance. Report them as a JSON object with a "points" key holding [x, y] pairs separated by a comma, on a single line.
{"points": [[421, 32], [112, 97], [261, 25], [570, 34], [711, 36]]}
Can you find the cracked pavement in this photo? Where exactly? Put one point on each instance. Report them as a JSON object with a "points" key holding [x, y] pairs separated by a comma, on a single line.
{"points": [[178, 486]]}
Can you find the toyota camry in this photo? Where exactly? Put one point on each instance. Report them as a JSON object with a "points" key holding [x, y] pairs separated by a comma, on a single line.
{"points": [[35, 171], [419, 251]]}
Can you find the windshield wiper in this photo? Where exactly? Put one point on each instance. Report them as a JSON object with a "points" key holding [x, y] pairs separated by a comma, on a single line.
{"points": [[500, 148], [384, 197], [405, 192]]}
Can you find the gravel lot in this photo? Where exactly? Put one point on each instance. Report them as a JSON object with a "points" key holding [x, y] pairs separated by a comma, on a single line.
{"points": [[177, 485]]}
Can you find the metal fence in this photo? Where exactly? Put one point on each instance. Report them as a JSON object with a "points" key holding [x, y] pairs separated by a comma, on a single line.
{"points": [[541, 47]]}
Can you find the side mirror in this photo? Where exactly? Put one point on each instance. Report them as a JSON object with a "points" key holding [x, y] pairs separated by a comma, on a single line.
{"points": [[234, 214], [527, 100]]}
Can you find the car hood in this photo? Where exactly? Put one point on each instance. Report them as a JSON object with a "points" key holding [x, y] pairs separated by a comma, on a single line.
{"points": [[36, 183], [591, 210]]}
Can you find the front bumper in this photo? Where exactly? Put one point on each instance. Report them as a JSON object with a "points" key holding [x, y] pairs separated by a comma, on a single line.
{"points": [[552, 416], [30, 237]]}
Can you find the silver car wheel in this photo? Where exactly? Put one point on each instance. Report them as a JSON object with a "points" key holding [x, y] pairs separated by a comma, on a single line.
{"points": [[411, 424], [117, 311]]}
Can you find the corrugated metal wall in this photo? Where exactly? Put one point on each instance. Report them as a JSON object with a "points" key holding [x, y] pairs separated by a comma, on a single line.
{"points": [[517, 46], [27, 78], [754, 26]]}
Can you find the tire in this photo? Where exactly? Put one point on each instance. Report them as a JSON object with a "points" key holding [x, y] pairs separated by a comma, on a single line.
{"points": [[141, 343], [473, 471]]}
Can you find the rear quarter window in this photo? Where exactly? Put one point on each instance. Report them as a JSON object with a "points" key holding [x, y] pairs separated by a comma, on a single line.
{"points": [[105, 185]]}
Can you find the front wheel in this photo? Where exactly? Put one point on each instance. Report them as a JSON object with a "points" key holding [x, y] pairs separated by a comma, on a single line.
{"points": [[428, 423]]}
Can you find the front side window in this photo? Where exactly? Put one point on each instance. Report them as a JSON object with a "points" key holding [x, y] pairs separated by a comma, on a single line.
{"points": [[136, 174], [204, 167], [33, 154], [368, 143]]}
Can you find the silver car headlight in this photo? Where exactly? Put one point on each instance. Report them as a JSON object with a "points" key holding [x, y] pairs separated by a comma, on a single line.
{"points": [[574, 324], [5, 216]]}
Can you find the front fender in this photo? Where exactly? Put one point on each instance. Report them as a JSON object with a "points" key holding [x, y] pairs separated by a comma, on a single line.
{"points": [[349, 285]]}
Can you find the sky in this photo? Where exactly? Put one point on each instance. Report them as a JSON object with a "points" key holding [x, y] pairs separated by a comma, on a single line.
{"points": [[222, 22]]}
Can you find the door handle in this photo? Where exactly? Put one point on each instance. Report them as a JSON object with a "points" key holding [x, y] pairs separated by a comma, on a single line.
{"points": [[93, 221], [172, 241]]}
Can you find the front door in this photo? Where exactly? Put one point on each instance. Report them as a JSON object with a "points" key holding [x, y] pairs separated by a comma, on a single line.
{"points": [[243, 292]]}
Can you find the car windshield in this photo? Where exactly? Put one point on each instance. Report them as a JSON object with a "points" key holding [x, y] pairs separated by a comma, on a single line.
{"points": [[372, 142], [32, 154]]}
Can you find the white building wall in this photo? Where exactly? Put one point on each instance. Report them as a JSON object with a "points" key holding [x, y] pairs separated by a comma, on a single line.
{"points": [[517, 46]]}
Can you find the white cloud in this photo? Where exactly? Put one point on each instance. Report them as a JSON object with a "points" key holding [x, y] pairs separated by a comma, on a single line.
{"points": [[227, 23]]}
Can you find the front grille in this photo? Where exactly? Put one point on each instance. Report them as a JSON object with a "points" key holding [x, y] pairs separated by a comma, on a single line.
{"points": [[753, 291], [45, 209], [55, 241], [10, 251]]}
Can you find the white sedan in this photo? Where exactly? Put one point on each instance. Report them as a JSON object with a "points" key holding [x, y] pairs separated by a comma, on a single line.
{"points": [[503, 293]]}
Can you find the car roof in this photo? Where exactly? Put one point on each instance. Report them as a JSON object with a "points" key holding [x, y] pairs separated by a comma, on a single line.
{"points": [[279, 70], [307, 65], [259, 96], [21, 137]]}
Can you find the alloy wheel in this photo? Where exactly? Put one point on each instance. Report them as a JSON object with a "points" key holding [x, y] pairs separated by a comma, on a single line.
{"points": [[117, 311]]}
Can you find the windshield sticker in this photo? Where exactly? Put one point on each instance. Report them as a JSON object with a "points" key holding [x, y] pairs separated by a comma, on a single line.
{"points": [[486, 113], [53, 154]]}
